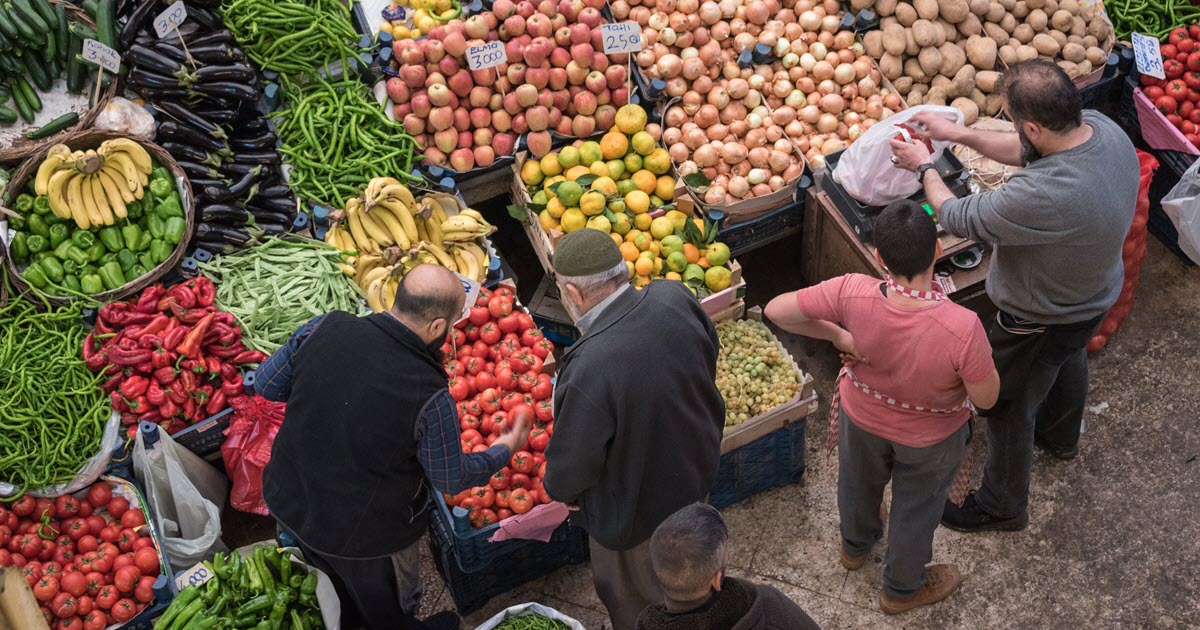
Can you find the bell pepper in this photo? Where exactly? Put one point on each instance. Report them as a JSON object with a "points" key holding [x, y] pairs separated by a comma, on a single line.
{"points": [[88, 268], [71, 283], [130, 234], [91, 284], [134, 209], [165, 375], [215, 404], [168, 408], [119, 403], [232, 387], [156, 225], [53, 269], [177, 394], [146, 303], [183, 296], [145, 261], [160, 250], [70, 268], [24, 204], [127, 260], [128, 356], [226, 352], [137, 272], [37, 225], [173, 232], [37, 243], [138, 404], [66, 250], [58, 234], [83, 239], [96, 251], [41, 205], [173, 338], [161, 189], [18, 223], [212, 366], [169, 207], [19, 247], [144, 241], [34, 276], [134, 386], [111, 275], [111, 238], [52, 219]]}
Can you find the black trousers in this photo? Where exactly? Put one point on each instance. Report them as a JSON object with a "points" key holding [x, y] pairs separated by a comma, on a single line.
{"points": [[1043, 389], [374, 593]]}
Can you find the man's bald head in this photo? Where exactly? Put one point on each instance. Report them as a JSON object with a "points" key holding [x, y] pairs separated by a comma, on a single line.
{"points": [[426, 294]]}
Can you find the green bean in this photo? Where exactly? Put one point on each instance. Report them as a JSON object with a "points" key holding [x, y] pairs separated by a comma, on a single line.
{"points": [[532, 622], [292, 36]]}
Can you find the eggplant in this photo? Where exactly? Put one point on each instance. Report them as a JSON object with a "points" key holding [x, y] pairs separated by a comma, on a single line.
{"points": [[222, 234], [244, 187], [272, 204], [237, 169], [186, 151], [222, 36], [214, 246], [251, 127], [181, 114], [199, 183], [258, 157], [261, 216], [206, 19], [219, 116], [145, 77], [172, 130], [197, 171], [153, 60], [279, 191], [227, 90], [274, 229], [137, 18], [219, 53], [265, 140], [234, 72], [224, 214]]}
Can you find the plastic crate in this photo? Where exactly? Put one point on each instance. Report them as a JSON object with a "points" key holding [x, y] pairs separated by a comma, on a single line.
{"points": [[470, 546], [164, 584], [1172, 166], [774, 460], [770, 227], [568, 546], [1102, 92]]}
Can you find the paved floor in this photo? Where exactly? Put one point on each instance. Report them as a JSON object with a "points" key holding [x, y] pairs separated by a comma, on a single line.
{"points": [[1113, 540]]}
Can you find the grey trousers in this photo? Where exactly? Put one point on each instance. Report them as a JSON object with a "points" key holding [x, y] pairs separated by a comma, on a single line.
{"points": [[625, 582], [921, 479]]}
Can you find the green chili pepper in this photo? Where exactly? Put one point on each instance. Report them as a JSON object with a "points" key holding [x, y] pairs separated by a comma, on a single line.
{"points": [[111, 275], [111, 237], [19, 247], [24, 203], [37, 243], [41, 205], [71, 282], [53, 269], [173, 232], [95, 252], [83, 239], [34, 276], [126, 259], [169, 207], [131, 233], [58, 235], [91, 284], [157, 226], [161, 188], [144, 241]]}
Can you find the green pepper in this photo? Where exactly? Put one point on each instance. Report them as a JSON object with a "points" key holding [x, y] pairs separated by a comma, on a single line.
{"points": [[37, 225], [91, 284], [160, 250], [146, 260], [157, 226], [83, 239], [169, 207], [53, 219], [41, 205], [137, 271], [161, 173], [134, 209], [40, 256], [111, 275], [131, 233], [211, 587], [70, 267], [67, 251], [174, 230], [58, 235], [88, 268], [37, 243], [111, 237], [18, 223], [24, 204], [255, 605], [144, 241], [52, 268], [71, 282], [161, 188], [107, 258], [34, 276], [297, 620], [126, 259], [19, 247], [95, 251]]}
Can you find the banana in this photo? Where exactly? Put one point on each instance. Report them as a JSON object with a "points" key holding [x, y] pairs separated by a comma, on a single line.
{"points": [[459, 236], [433, 225], [374, 274], [74, 196], [347, 269], [374, 295], [440, 254], [393, 227], [47, 168], [402, 214], [466, 263], [374, 230], [474, 214], [376, 185], [439, 213], [56, 190], [125, 165], [461, 223], [361, 239], [331, 236], [389, 291], [105, 208], [112, 191], [140, 157], [113, 173], [78, 189], [480, 255], [396, 190]]}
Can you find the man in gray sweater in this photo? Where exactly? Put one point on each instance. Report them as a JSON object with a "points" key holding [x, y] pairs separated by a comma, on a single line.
{"points": [[1057, 228]]}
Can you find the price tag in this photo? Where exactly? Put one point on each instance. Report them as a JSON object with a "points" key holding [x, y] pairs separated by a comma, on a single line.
{"points": [[96, 53], [489, 55], [170, 19], [1147, 54], [194, 576], [472, 290], [622, 37]]}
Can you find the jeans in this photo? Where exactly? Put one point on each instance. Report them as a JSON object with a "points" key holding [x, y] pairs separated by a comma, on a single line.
{"points": [[1043, 390], [921, 479]]}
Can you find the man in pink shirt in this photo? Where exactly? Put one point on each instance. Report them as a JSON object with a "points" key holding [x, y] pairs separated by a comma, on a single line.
{"points": [[915, 362]]}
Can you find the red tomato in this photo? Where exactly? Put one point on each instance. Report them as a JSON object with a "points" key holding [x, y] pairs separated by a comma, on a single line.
{"points": [[510, 400], [541, 470], [489, 400], [6, 558], [1194, 31], [1186, 46], [485, 494], [76, 528], [482, 517], [1154, 93], [144, 591], [1177, 35], [1188, 128], [504, 376], [66, 506], [123, 560], [46, 588], [489, 333], [530, 336], [74, 583], [520, 501], [479, 315], [543, 348], [1169, 51], [502, 514], [505, 291], [499, 481], [125, 541], [48, 549], [85, 509], [500, 305], [32, 572], [99, 494], [143, 542], [499, 423], [485, 380], [464, 353], [479, 448], [467, 422], [126, 578], [520, 480], [526, 321], [479, 350], [85, 603], [1166, 105], [94, 621], [110, 533], [526, 382], [63, 605], [124, 610], [542, 390], [1186, 108], [1194, 139], [107, 596], [544, 410], [64, 556], [459, 390], [509, 323], [472, 332], [96, 524], [24, 506], [94, 581], [117, 506], [72, 622], [1173, 68], [1175, 120], [1176, 89], [539, 440]]}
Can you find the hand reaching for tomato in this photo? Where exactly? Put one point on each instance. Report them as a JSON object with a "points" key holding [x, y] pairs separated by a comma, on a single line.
{"points": [[516, 436]]}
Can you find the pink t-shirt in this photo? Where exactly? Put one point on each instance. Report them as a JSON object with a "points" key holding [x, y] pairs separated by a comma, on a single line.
{"points": [[919, 355]]}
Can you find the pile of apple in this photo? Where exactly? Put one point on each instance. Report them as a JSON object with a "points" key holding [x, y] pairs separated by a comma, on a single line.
{"points": [[555, 79]]}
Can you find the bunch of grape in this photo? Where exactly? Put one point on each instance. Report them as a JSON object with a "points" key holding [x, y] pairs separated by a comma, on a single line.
{"points": [[754, 372]]}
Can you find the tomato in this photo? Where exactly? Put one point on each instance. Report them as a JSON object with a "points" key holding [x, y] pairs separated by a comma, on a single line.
{"points": [[125, 541], [86, 509], [543, 348], [522, 462], [500, 305], [1166, 105], [526, 321], [530, 336], [500, 423], [1154, 93], [6, 558], [479, 315], [63, 605], [124, 610], [1194, 139], [510, 400], [1173, 68], [482, 518], [103, 561], [489, 333], [541, 470], [1175, 120], [94, 581], [472, 407], [467, 422], [1186, 108], [520, 480], [45, 508], [32, 572], [459, 389], [117, 506], [85, 604], [539, 440], [48, 549], [520, 501], [504, 376], [94, 621], [1186, 46], [459, 338], [72, 622], [24, 506], [5, 535], [540, 491], [499, 481], [75, 528], [502, 514], [1176, 89], [66, 506], [526, 382], [479, 350], [1194, 31], [96, 524], [509, 323], [489, 400], [543, 390], [31, 547], [143, 542], [110, 533], [1176, 35], [485, 380], [1188, 128], [64, 556], [479, 448], [1169, 51], [464, 352], [486, 496], [544, 410], [126, 578], [472, 332], [46, 588], [144, 591]]}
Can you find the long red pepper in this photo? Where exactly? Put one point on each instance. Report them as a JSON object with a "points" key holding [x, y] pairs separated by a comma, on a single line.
{"points": [[190, 346]]}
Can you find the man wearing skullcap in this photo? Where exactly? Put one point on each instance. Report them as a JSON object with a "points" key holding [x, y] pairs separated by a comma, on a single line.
{"points": [[638, 415]]}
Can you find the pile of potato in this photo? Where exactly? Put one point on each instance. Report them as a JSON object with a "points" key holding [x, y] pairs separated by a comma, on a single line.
{"points": [[951, 52]]}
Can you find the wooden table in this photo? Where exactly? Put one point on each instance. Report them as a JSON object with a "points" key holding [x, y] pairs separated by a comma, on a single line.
{"points": [[831, 248]]}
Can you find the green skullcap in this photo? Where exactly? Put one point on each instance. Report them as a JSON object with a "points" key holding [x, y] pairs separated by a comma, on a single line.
{"points": [[585, 252]]}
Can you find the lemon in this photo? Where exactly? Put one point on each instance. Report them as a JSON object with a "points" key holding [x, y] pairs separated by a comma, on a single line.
{"points": [[678, 219], [642, 241], [550, 165], [615, 237], [671, 275], [592, 203], [555, 207], [621, 223], [631, 235], [645, 181], [662, 227], [605, 185], [637, 201], [550, 181], [573, 220], [642, 142], [541, 197], [600, 222], [640, 281], [630, 119], [599, 169], [693, 274], [590, 153], [531, 173], [677, 262], [671, 244], [665, 188], [658, 162], [614, 145], [568, 157], [632, 271], [617, 206]]}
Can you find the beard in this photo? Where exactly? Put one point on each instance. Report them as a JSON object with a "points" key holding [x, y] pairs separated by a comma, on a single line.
{"points": [[1029, 153]]}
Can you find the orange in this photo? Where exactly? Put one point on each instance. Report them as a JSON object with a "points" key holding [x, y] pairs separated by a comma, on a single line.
{"points": [[703, 262], [691, 252], [643, 267], [645, 181], [629, 251]]}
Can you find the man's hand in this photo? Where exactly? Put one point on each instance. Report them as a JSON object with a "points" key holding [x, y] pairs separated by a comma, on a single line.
{"points": [[936, 126], [518, 433], [910, 155], [848, 352]]}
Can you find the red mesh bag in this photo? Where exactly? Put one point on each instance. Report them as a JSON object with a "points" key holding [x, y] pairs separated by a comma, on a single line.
{"points": [[247, 449]]}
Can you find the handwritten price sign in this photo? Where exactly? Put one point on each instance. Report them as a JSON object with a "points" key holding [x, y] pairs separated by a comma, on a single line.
{"points": [[194, 576], [622, 37], [471, 288], [489, 55], [170, 19], [1147, 54], [96, 53]]}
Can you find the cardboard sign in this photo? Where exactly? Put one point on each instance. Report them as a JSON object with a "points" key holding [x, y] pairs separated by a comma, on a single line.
{"points": [[171, 19], [96, 53], [489, 55], [622, 37], [194, 576], [472, 289], [1147, 54]]}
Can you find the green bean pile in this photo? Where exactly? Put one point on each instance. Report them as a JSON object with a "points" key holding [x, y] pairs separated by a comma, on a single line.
{"points": [[293, 36], [52, 409], [1150, 17], [532, 622], [273, 288], [337, 138]]}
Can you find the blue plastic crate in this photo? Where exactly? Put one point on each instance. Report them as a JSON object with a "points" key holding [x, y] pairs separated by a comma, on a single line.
{"points": [[770, 227], [470, 547], [471, 591], [771, 461]]}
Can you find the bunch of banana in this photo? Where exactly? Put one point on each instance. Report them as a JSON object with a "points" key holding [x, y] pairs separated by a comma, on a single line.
{"points": [[466, 226], [93, 186]]}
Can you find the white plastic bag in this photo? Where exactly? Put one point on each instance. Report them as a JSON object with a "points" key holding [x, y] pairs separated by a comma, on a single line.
{"points": [[1182, 205], [866, 171], [124, 116], [185, 494], [87, 475], [534, 608]]}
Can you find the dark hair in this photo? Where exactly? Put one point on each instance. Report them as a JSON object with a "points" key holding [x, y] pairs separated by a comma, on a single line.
{"points": [[1039, 91], [428, 305], [688, 549], [906, 238]]}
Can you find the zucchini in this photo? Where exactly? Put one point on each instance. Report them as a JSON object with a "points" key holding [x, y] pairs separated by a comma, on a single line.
{"points": [[28, 34], [82, 31], [31, 95], [32, 18], [46, 10], [11, 64], [76, 71], [5, 93], [54, 126], [54, 69], [106, 23], [91, 7], [23, 106], [63, 37], [7, 116], [37, 71], [50, 49], [7, 27], [4, 43]]}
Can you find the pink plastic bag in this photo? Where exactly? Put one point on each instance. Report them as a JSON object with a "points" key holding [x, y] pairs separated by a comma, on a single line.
{"points": [[247, 449]]}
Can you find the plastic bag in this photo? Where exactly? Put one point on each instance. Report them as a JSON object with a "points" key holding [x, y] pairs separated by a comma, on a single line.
{"points": [[124, 116], [86, 475], [533, 608], [1182, 205], [866, 171], [185, 494], [327, 597], [247, 449]]}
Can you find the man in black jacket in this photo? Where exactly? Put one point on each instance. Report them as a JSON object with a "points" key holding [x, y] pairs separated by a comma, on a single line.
{"points": [[368, 418], [689, 555], [639, 416]]}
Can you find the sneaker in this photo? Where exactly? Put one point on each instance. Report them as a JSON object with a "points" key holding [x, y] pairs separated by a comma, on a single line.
{"points": [[1060, 452], [853, 563], [940, 581], [971, 518], [445, 620]]}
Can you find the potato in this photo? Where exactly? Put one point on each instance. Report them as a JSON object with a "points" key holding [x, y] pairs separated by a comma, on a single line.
{"points": [[1046, 45], [1025, 53], [939, 82], [1099, 28], [996, 33], [969, 109], [953, 58], [885, 7], [1008, 54], [1059, 38], [906, 14], [920, 88], [910, 44], [1008, 23], [1078, 26], [996, 12], [1050, 7], [1013, 42], [1020, 10], [1075, 39], [1096, 56], [903, 85], [891, 66], [1090, 42], [1037, 19], [887, 21], [949, 31], [1061, 20], [1071, 69], [926, 9], [993, 104], [893, 39], [936, 96], [980, 7], [953, 11], [1035, 4], [963, 82], [915, 98], [931, 61], [1008, 5], [912, 68], [982, 52], [924, 33], [873, 43], [970, 26], [986, 80], [1070, 6], [859, 5], [1085, 67], [1023, 33]]}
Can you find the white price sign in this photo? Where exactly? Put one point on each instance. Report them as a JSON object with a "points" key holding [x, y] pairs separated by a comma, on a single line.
{"points": [[96, 53], [622, 37], [170, 20], [194, 576], [489, 55], [1147, 54], [472, 290]]}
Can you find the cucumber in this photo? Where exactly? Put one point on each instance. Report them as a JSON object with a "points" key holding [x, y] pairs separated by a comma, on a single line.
{"points": [[37, 71], [46, 10], [23, 106], [106, 23], [31, 95], [31, 36], [32, 17], [50, 50], [8, 28], [54, 69], [5, 93], [5, 44], [76, 72], [11, 64], [54, 126], [7, 116], [63, 37]]}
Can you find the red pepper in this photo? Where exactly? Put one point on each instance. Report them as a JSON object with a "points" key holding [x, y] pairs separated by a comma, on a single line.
{"points": [[89, 346], [172, 426], [203, 393], [161, 358], [190, 346], [231, 387], [102, 327], [155, 394], [215, 404], [126, 357], [172, 338], [149, 341], [165, 304], [113, 383], [129, 418], [148, 301], [109, 312], [177, 394], [190, 410], [134, 386], [97, 361], [183, 296], [165, 374], [227, 318], [206, 291], [250, 356], [168, 409], [187, 380], [150, 416], [118, 402], [139, 404], [156, 325], [228, 372], [194, 315], [213, 364], [112, 369], [226, 352]]}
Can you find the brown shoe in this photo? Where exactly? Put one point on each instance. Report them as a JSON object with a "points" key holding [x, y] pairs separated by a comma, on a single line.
{"points": [[940, 581], [853, 563]]}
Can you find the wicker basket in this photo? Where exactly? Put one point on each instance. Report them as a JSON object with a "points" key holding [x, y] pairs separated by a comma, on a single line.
{"points": [[23, 147], [91, 140]]}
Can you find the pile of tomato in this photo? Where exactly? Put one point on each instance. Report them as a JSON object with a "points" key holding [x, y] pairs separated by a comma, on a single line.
{"points": [[89, 559], [1178, 95], [495, 359]]}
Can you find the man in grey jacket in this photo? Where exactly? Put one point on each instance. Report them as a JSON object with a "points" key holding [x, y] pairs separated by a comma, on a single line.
{"points": [[638, 417], [1057, 228]]}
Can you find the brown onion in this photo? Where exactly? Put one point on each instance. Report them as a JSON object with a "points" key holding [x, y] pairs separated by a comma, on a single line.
{"points": [[827, 123], [705, 156]]}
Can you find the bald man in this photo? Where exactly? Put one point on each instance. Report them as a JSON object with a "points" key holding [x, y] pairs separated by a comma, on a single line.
{"points": [[370, 426]]}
